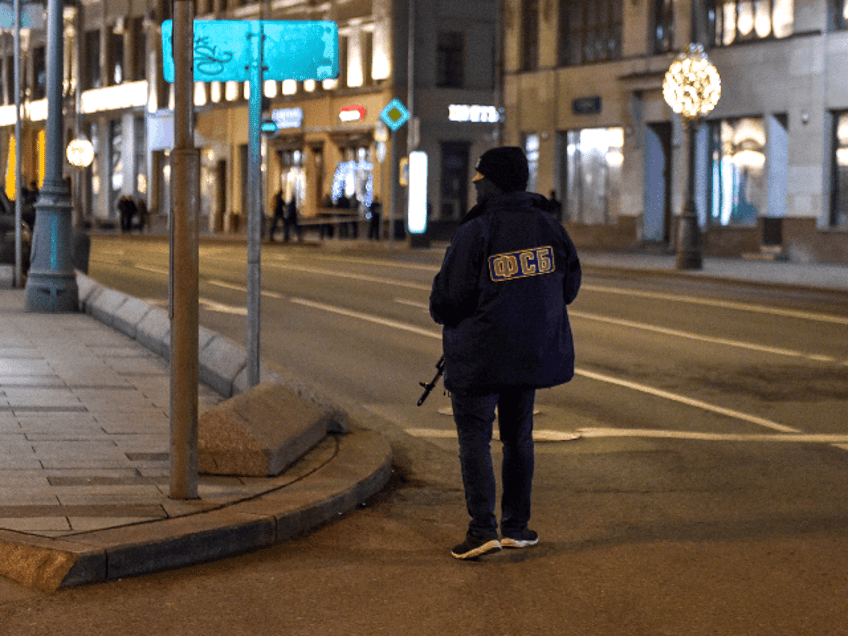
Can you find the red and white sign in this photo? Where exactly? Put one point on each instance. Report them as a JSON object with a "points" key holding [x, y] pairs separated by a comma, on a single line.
{"points": [[354, 112]]}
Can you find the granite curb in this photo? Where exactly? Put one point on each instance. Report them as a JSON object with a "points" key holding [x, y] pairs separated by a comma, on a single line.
{"points": [[360, 466]]}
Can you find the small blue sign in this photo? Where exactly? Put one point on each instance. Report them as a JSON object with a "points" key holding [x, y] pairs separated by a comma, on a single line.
{"points": [[223, 52], [394, 114]]}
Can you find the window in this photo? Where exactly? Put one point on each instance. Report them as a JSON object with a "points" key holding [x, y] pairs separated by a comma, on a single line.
{"points": [[9, 76], [737, 171], [454, 181], [732, 21], [116, 57], [529, 35], [91, 69], [39, 91], [139, 50], [841, 13], [839, 197], [368, 56], [593, 175], [450, 60], [589, 31], [663, 26]]}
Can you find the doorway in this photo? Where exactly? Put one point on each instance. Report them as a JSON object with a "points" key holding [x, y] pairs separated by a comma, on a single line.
{"points": [[454, 179], [656, 223]]}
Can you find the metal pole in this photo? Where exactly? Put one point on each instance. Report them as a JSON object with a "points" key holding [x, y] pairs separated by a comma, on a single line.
{"points": [[410, 79], [689, 237], [185, 191], [254, 209], [19, 276], [52, 284], [688, 255], [393, 161], [411, 130]]}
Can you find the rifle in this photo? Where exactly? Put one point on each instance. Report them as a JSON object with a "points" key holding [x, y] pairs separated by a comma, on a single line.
{"points": [[440, 369]]}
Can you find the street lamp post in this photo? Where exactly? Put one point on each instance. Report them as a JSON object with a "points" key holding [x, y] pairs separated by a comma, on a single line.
{"points": [[52, 284], [692, 88]]}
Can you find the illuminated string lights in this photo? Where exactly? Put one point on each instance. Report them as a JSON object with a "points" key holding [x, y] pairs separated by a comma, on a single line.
{"points": [[692, 86]]}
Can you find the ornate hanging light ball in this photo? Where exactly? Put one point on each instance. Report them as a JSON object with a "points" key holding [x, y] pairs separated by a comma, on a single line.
{"points": [[692, 86]]}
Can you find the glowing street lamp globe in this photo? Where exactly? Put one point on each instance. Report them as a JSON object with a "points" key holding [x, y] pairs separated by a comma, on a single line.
{"points": [[80, 153], [692, 86]]}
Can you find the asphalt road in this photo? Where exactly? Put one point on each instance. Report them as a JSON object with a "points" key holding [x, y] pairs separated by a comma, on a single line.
{"points": [[706, 494]]}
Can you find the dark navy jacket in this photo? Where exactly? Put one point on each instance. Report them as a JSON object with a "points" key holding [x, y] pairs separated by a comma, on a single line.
{"points": [[501, 295]]}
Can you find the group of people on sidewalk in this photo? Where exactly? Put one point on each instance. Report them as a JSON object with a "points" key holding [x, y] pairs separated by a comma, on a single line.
{"points": [[133, 215], [285, 214]]}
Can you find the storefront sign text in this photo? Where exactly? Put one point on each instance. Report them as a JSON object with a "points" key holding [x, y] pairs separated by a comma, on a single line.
{"points": [[287, 117], [354, 112], [473, 113]]}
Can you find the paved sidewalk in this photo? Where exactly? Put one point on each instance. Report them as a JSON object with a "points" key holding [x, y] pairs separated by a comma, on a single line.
{"points": [[84, 463]]}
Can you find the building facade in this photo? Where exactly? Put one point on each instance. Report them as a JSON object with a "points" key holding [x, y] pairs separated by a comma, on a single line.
{"points": [[583, 95], [437, 58]]}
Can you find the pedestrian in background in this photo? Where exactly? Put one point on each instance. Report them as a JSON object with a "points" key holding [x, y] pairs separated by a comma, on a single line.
{"points": [[290, 221], [126, 210], [501, 295], [375, 214], [142, 212], [278, 215]]}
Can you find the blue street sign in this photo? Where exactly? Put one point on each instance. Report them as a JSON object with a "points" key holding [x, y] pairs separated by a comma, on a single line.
{"points": [[297, 50], [394, 114], [32, 16]]}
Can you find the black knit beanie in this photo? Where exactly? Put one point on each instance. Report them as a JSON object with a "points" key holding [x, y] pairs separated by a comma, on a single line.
{"points": [[506, 167]]}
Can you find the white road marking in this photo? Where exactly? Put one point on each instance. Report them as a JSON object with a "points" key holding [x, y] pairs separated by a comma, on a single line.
{"points": [[242, 288], [582, 372], [673, 397], [386, 322], [547, 435], [362, 277], [381, 263], [710, 302], [802, 438], [692, 336], [155, 270], [221, 308], [412, 303], [539, 435]]}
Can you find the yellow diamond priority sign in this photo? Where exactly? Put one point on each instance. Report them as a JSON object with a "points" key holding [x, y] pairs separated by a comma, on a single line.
{"points": [[394, 114]]}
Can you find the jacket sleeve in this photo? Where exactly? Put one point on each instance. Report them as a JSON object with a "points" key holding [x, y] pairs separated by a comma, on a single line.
{"points": [[573, 274], [455, 290]]}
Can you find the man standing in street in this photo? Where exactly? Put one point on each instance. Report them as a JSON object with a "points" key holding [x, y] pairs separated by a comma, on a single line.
{"points": [[501, 295]]}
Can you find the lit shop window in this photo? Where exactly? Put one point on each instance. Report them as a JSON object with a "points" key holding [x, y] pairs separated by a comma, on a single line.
{"points": [[734, 21], [593, 161], [839, 203], [353, 179], [737, 170], [841, 13]]}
